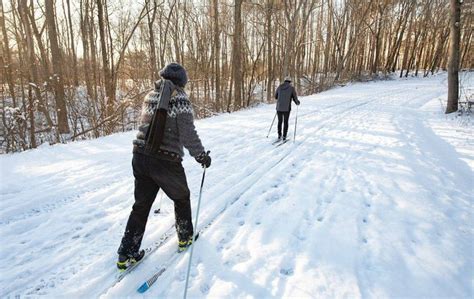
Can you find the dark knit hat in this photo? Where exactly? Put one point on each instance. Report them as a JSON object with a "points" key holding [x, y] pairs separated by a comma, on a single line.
{"points": [[176, 73]]}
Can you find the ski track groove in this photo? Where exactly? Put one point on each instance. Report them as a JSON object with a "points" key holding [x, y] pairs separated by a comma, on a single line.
{"points": [[58, 203]]}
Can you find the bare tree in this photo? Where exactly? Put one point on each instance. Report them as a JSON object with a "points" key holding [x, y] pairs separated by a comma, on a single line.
{"points": [[57, 62], [453, 68], [237, 55]]}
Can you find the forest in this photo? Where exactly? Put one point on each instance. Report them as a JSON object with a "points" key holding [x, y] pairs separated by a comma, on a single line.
{"points": [[78, 69]]}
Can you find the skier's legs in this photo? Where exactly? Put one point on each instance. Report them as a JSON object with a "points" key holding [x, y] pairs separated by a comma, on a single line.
{"points": [[145, 193], [280, 121], [286, 117], [170, 176]]}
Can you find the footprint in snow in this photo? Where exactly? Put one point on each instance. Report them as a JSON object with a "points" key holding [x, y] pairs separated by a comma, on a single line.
{"points": [[300, 235], [225, 240], [204, 289], [272, 199], [286, 271], [240, 257]]}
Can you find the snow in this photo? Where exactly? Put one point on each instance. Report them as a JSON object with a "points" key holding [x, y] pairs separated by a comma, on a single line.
{"points": [[373, 199]]}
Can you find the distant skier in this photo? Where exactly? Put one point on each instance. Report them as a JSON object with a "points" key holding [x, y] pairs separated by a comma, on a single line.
{"points": [[166, 125], [285, 93]]}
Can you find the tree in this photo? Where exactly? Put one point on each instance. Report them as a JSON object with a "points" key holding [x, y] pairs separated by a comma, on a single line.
{"points": [[217, 50], [237, 55], [453, 67], [58, 79]]}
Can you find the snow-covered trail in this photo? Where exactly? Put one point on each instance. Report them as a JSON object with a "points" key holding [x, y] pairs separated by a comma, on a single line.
{"points": [[374, 199]]}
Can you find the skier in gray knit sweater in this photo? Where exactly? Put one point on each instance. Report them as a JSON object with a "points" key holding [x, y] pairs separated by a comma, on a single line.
{"points": [[166, 125]]}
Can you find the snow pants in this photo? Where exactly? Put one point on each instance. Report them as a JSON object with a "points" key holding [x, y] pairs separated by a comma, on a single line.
{"points": [[283, 118], [151, 174]]}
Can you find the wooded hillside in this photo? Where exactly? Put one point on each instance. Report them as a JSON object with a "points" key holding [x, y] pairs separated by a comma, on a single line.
{"points": [[76, 69]]}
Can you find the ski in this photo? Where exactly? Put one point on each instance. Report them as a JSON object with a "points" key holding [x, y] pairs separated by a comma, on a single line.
{"points": [[283, 142], [276, 141], [150, 281], [148, 251]]}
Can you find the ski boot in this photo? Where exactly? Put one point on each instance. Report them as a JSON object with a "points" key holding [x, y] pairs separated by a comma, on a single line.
{"points": [[125, 261], [183, 245]]}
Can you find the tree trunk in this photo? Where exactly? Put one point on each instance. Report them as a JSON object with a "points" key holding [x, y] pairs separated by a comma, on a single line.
{"points": [[108, 76], [269, 12], [453, 67], [154, 65], [237, 55], [217, 50], [73, 47], [8, 63], [56, 60]]}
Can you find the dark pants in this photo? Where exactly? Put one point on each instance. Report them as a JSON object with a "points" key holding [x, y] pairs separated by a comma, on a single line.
{"points": [[283, 117], [151, 174]]}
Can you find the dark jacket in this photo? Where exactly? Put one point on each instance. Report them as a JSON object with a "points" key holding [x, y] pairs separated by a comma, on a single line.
{"points": [[284, 94]]}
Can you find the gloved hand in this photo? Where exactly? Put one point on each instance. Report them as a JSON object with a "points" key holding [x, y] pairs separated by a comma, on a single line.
{"points": [[204, 159], [298, 102]]}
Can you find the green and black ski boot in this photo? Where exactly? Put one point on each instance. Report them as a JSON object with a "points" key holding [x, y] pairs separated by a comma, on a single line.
{"points": [[125, 261]]}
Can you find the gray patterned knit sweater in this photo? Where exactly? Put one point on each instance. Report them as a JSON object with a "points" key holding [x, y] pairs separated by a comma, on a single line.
{"points": [[179, 128]]}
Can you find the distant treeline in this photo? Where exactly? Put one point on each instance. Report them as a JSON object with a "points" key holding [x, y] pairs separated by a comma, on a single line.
{"points": [[79, 69]]}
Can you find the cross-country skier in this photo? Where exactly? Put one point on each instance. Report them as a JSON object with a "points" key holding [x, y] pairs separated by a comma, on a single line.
{"points": [[166, 125], [284, 94]]}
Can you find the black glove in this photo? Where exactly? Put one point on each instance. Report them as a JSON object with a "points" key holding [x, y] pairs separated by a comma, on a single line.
{"points": [[297, 102], [204, 159]]}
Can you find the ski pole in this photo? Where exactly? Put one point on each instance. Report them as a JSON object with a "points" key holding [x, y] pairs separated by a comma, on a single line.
{"points": [[296, 122], [194, 234], [272, 124]]}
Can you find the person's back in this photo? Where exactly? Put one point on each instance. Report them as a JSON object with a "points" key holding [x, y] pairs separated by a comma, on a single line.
{"points": [[284, 94], [178, 127], [166, 126]]}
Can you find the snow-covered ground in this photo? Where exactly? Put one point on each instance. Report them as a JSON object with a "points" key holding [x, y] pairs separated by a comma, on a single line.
{"points": [[373, 200]]}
